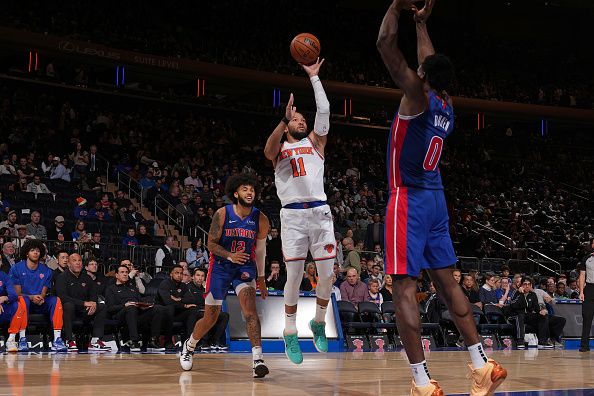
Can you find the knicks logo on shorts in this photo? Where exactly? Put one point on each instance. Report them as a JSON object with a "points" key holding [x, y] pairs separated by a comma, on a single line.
{"points": [[329, 248], [245, 275]]}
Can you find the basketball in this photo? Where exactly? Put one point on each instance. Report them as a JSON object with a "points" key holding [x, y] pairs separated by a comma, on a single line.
{"points": [[305, 48]]}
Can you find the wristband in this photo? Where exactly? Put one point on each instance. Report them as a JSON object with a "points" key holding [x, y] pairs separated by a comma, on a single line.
{"points": [[285, 120]]}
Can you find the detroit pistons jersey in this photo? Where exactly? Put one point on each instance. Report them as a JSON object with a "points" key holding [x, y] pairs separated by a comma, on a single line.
{"points": [[415, 146], [239, 235], [299, 173]]}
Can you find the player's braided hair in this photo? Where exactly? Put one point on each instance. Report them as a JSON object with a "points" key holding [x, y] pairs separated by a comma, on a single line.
{"points": [[31, 244], [238, 180], [439, 71]]}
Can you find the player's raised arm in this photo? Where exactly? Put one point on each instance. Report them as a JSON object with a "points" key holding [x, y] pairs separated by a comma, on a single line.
{"points": [[414, 99], [322, 122], [273, 144], [214, 236], [424, 45]]}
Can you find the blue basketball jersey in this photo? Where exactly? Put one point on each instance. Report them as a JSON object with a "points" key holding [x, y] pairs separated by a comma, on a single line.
{"points": [[415, 146], [239, 235], [31, 282], [7, 287]]}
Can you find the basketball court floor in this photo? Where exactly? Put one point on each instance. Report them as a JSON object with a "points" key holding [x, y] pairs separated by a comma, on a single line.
{"points": [[531, 372]]}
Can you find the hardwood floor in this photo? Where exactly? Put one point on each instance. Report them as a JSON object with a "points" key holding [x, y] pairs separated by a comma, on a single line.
{"points": [[230, 374]]}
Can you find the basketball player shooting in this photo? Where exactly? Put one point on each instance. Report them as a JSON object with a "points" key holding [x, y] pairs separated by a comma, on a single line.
{"points": [[306, 219], [237, 245], [417, 234]]}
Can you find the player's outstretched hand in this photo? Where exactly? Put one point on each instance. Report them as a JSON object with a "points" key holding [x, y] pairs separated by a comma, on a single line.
{"points": [[314, 69], [239, 257], [406, 4], [262, 287], [423, 14], [291, 110]]}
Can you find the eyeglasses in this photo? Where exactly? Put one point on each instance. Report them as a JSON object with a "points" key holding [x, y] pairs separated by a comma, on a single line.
{"points": [[526, 284]]}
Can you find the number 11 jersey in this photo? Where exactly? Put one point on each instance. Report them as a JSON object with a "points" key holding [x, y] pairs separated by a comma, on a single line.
{"points": [[299, 173]]}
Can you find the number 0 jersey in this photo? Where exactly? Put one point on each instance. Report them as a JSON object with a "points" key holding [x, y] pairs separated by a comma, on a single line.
{"points": [[299, 173], [415, 146]]}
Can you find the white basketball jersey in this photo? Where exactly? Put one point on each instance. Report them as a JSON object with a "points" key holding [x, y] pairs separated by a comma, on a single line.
{"points": [[299, 173]]}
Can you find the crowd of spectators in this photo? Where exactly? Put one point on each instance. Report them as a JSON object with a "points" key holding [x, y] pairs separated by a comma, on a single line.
{"points": [[187, 31]]}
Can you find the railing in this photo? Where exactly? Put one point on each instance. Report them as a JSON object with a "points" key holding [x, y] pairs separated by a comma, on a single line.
{"points": [[107, 166], [539, 259], [198, 231], [167, 210], [126, 183], [542, 258], [108, 255]]}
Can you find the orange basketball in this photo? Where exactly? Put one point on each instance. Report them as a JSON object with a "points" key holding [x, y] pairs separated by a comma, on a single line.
{"points": [[305, 48]]}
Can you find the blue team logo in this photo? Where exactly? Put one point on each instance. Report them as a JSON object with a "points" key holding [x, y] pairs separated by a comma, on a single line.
{"points": [[245, 275], [41, 276]]}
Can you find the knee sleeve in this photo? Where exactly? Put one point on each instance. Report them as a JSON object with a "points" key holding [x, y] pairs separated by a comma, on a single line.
{"points": [[294, 278], [325, 270]]}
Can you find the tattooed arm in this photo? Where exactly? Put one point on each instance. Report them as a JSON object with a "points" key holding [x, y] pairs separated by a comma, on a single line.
{"points": [[214, 235]]}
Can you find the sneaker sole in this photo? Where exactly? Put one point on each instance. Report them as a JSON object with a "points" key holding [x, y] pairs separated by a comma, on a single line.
{"points": [[314, 340], [261, 371]]}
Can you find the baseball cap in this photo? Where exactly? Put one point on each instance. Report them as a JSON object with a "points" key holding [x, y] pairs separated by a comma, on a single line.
{"points": [[56, 158], [80, 201], [155, 164], [59, 219]]}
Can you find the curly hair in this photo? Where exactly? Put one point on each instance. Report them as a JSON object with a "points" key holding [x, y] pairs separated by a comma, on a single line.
{"points": [[238, 180], [440, 72], [31, 244]]}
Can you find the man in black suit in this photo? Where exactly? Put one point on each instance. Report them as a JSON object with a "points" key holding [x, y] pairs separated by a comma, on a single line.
{"points": [[375, 233], [8, 258], [195, 295]]}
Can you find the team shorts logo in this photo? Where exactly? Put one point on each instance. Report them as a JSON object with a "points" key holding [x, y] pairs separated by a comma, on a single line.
{"points": [[245, 275], [41, 276], [329, 248]]}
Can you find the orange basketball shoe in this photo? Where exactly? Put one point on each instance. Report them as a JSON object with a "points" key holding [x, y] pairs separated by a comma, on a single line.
{"points": [[486, 379], [433, 389]]}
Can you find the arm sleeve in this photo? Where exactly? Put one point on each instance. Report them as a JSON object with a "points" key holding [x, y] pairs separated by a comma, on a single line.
{"points": [[261, 256], [12, 296], [159, 258], [139, 284], [322, 122], [14, 276], [165, 294], [110, 301]]}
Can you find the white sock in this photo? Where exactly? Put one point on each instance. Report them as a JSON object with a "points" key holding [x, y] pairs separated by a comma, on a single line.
{"points": [[192, 343], [12, 337], [478, 356], [94, 340], [21, 333], [320, 314], [57, 334], [420, 373], [257, 353], [290, 323]]}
